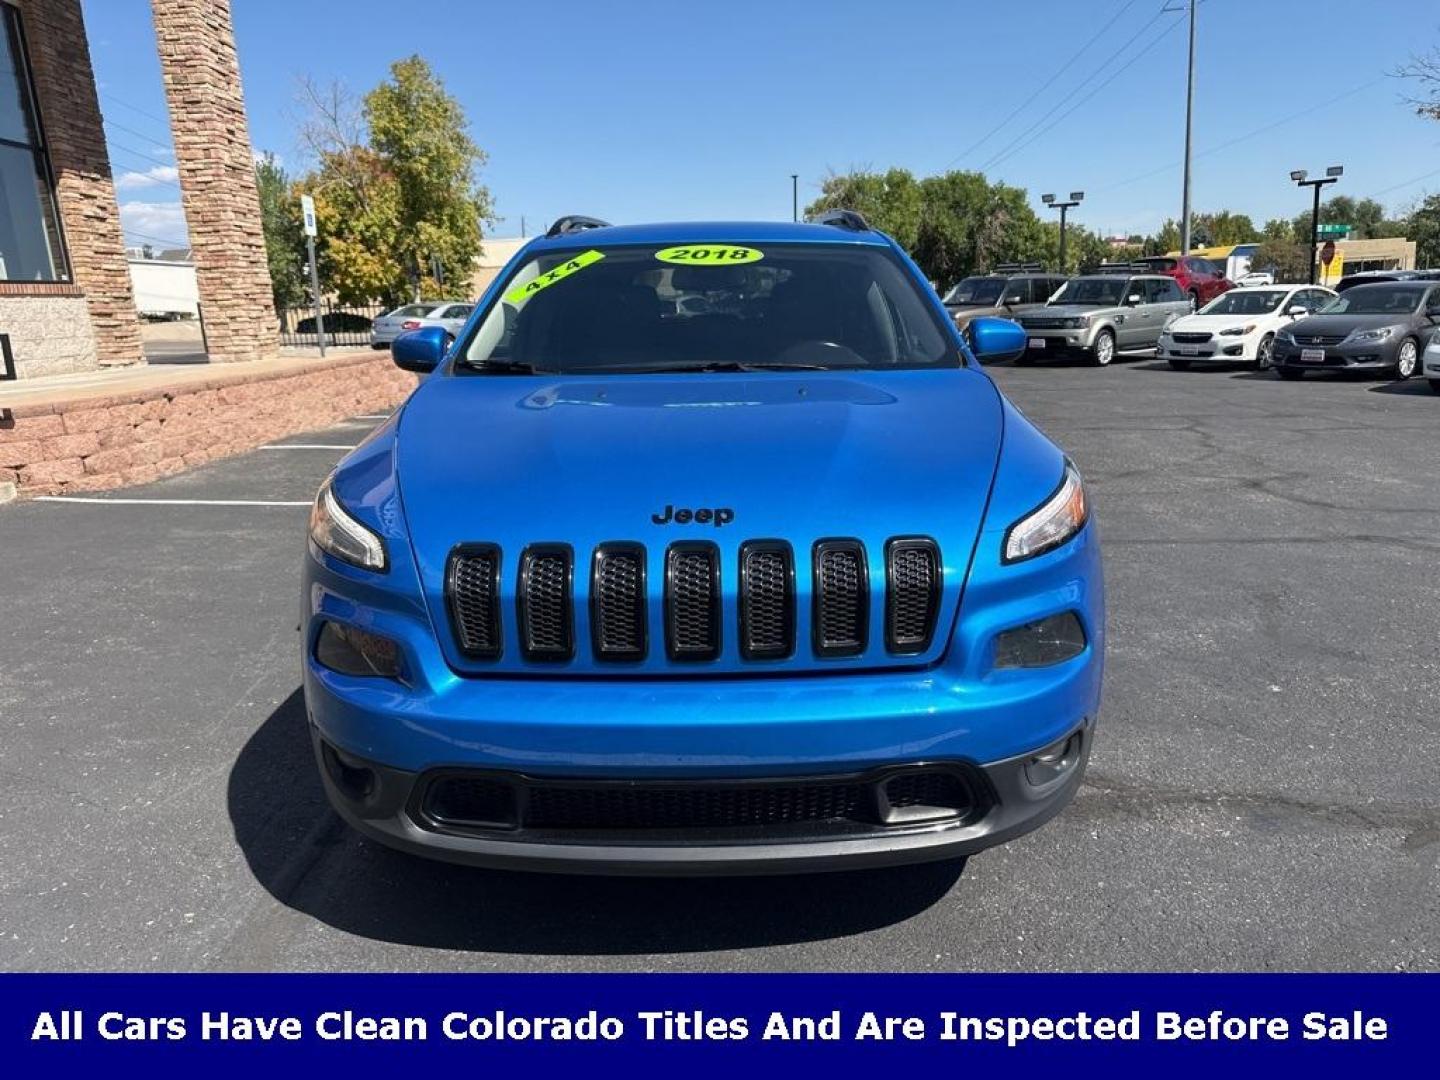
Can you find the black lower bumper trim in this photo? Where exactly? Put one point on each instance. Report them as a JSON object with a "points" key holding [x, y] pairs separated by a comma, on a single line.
{"points": [[394, 809]]}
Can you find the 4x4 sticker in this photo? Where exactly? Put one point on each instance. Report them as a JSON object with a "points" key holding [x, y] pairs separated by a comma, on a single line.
{"points": [[709, 255], [521, 293]]}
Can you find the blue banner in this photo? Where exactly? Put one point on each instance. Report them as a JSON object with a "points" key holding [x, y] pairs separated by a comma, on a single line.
{"points": [[717, 1024]]}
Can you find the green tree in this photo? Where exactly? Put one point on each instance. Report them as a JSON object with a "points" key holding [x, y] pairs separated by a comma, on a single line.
{"points": [[1364, 216], [1422, 225], [1278, 230], [284, 234], [1223, 227], [395, 187], [890, 201], [1287, 259]]}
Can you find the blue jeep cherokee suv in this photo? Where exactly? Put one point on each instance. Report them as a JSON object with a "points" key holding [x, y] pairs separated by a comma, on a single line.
{"points": [[705, 548]]}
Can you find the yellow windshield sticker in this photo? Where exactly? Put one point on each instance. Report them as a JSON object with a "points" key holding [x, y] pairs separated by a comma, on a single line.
{"points": [[521, 293], [709, 255]]}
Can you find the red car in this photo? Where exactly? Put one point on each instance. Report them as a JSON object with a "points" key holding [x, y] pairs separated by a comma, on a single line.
{"points": [[1200, 279]]}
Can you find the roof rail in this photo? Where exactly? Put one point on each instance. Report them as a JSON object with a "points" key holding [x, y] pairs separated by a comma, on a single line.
{"points": [[1018, 268], [1121, 268], [574, 223], [841, 219]]}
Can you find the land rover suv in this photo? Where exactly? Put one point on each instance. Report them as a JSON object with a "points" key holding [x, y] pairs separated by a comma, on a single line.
{"points": [[1099, 315], [775, 582], [1005, 292]]}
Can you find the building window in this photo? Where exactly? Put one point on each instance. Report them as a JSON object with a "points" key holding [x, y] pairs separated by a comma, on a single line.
{"points": [[30, 246]]}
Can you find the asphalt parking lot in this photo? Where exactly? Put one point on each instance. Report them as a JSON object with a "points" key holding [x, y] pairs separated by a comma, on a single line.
{"points": [[1263, 793]]}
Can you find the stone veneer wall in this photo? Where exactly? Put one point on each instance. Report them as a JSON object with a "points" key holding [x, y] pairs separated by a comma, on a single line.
{"points": [[70, 113], [49, 335], [217, 176], [99, 443]]}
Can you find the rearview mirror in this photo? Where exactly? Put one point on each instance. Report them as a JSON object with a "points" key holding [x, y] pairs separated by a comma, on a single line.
{"points": [[995, 339], [419, 350]]}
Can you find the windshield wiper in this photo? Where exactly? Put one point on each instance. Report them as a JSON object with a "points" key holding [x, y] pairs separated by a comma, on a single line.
{"points": [[736, 365], [504, 367]]}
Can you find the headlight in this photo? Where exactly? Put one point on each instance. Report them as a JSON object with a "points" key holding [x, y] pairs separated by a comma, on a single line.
{"points": [[1058, 519], [1372, 335], [1238, 331], [1286, 336], [336, 533], [1079, 322]]}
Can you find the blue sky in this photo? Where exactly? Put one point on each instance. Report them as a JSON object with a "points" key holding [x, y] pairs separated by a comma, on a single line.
{"points": [[642, 110]]}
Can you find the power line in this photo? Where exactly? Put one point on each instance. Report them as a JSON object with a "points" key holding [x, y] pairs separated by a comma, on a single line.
{"points": [[1406, 183], [136, 109], [1043, 86], [1021, 139], [168, 242]]}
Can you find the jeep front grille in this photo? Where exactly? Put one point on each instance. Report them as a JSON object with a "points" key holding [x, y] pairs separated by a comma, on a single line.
{"points": [[842, 597], [691, 603], [912, 594]]}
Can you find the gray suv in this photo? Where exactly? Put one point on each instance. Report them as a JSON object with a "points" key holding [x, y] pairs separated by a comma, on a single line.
{"points": [[1097, 315], [1007, 291]]}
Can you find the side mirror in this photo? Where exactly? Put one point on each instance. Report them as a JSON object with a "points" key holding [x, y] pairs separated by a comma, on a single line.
{"points": [[419, 350], [992, 339], [1296, 311], [1132, 299]]}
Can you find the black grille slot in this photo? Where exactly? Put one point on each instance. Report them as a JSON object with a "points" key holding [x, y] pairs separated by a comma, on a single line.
{"points": [[841, 597], [692, 601], [471, 801], [1189, 339], [472, 594], [767, 600], [617, 602], [654, 807], [543, 602], [912, 596]]}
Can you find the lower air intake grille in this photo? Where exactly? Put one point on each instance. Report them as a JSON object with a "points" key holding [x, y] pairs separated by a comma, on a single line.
{"points": [[473, 594], [913, 595], [841, 597], [767, 600], [692, 601], [544, 603], [617, 602]]}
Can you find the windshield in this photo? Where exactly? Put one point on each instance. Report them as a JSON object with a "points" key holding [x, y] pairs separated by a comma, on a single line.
{"points": [[1160, 266], [1376, 300], [1260, 302], [709, 307], [1091, 290], [977, 290], [413, 311]]}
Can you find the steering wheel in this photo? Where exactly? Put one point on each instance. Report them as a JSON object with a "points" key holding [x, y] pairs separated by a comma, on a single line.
{"points": [[821, 353]]}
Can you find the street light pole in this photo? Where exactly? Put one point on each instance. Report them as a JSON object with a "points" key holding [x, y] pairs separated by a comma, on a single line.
{"points": [[1332, 174], [794, 196], [1189, 114], [1049, 200]]}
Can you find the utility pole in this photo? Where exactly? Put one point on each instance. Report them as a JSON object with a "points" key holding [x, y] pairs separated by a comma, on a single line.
{"points": [[1189, 114], [307, 212], [1074, 200], [794, 196]]}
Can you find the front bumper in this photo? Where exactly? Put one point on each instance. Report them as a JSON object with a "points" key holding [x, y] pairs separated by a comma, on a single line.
{"points": [[1010, 799], [1219, 348], [1058, 342], [1430, 360], [1360, 356]]}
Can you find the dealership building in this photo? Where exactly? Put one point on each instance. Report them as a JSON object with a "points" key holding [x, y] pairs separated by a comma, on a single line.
{"points": [[67, 303]]}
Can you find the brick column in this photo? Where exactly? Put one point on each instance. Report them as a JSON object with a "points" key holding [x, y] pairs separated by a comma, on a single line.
{"points": [[70, 112], [217, 176]]}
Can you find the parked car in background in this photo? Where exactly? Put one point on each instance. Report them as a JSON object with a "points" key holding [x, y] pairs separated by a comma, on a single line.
{"points": [[1374, 277], [1240, 325], [1097, 315], [336, 322], [1379, 327], [451, 317], [394, 323], [1200, 279], [1003, 292], [1430, 360]]}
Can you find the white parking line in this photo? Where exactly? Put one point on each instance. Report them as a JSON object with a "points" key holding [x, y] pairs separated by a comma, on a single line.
{"points": [[161, 502], [307, 446]]}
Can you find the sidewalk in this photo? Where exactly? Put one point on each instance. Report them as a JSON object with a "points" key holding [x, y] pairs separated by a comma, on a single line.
{"points": [[106, 429]]}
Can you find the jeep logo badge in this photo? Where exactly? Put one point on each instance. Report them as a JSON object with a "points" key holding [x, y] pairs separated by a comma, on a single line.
{"points": [[720, 516]]}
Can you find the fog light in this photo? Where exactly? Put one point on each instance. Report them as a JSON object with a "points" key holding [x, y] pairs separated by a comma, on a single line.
{"points": [[1054, 761], [351, 651], [1046, 641]]}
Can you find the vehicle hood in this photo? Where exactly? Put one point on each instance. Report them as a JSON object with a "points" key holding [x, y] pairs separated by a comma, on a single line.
{"points": [[1345, 323], [518, 460], [973, 309], [1215, 323]]}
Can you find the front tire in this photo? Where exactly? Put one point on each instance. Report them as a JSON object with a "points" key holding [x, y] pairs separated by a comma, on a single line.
{"points": [[1103, 351], [1407, 360], [1265, 353]]}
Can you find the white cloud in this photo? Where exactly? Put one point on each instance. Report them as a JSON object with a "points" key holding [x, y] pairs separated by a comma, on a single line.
{"points": [[262, 156], [160, 224], [157, 174]]}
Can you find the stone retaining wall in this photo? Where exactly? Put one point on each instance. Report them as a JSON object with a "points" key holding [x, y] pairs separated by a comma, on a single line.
{"points": [[94, 444]]}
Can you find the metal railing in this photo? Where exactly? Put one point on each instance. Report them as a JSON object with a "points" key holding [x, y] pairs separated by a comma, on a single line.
{"points": [[344, 324]]}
